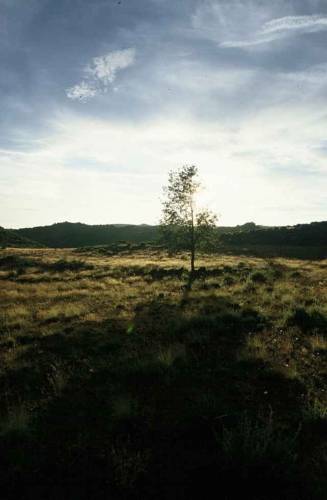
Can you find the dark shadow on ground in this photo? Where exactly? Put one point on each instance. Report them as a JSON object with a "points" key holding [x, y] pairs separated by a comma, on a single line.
{"points": [[160, 407]]}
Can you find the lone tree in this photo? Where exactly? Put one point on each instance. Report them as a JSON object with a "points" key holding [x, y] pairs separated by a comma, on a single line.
{"points": [[183, 225]]}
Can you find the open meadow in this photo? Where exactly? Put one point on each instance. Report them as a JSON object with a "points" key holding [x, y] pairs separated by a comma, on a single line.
{"points": [[120, 378]]}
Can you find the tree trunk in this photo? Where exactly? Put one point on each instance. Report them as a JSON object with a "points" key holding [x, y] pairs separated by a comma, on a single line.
{"points": [[192, 260], [192, 244]]}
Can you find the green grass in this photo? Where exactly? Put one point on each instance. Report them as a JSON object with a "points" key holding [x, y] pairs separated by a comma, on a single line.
{"points": [[122, 378]]}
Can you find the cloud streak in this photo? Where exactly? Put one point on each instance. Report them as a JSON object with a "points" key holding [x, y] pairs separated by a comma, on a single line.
{"points": [[281, 28], [299, 23], [100, 74]]}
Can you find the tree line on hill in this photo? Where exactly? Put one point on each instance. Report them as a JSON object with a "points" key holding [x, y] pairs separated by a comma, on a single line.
{"points": [[314, 234], [11, 238], [77, 235]]}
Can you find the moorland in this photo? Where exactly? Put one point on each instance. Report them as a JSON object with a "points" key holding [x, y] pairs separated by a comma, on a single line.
{"points": [[122, 378]]}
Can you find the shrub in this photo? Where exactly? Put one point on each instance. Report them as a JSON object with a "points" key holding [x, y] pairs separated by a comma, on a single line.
{"points": [[72, 265], [307, 319], [277, 270], [15, 262], [228, 281], [258, 277]]}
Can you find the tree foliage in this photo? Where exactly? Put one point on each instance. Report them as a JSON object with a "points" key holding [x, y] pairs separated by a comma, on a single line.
{"points": [[184, 225]]}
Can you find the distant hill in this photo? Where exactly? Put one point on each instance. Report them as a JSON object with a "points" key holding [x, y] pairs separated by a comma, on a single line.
{"points": [[10, 238], [75, 235], [314, 234]]}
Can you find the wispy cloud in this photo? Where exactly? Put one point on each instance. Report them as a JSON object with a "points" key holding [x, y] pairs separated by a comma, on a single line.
{"points": [[82, 91], [101, 73], [280, 28], [307, 23]]}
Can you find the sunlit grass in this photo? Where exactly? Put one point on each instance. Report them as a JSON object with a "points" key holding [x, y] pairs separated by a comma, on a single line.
{"points": [[167, 356], [63, 311], [318, 342], [255, 348]]}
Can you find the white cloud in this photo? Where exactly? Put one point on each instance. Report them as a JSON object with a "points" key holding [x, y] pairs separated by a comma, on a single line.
{"points": [[105, 68], [81, 91], [100, 73], [281, 28]]}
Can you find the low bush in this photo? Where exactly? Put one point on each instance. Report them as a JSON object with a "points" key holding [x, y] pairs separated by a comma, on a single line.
{"points": [[258, 277], [14, 262], [307, 319], [65, 265]]}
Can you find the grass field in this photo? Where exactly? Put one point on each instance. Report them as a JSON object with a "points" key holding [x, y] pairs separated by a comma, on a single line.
{"points": [[120, 380]]}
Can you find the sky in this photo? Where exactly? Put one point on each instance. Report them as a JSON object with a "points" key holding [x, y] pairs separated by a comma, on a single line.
{"points": [[100, 99]]}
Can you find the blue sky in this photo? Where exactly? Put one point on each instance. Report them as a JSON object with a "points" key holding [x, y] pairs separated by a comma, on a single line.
{"points": [[99, 100]]}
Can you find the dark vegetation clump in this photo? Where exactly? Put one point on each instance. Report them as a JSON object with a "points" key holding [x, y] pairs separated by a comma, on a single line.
{"points": [[308, 320], [19, 265], [258, 277], [12, 262], [64, 265], [119, 248]]}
